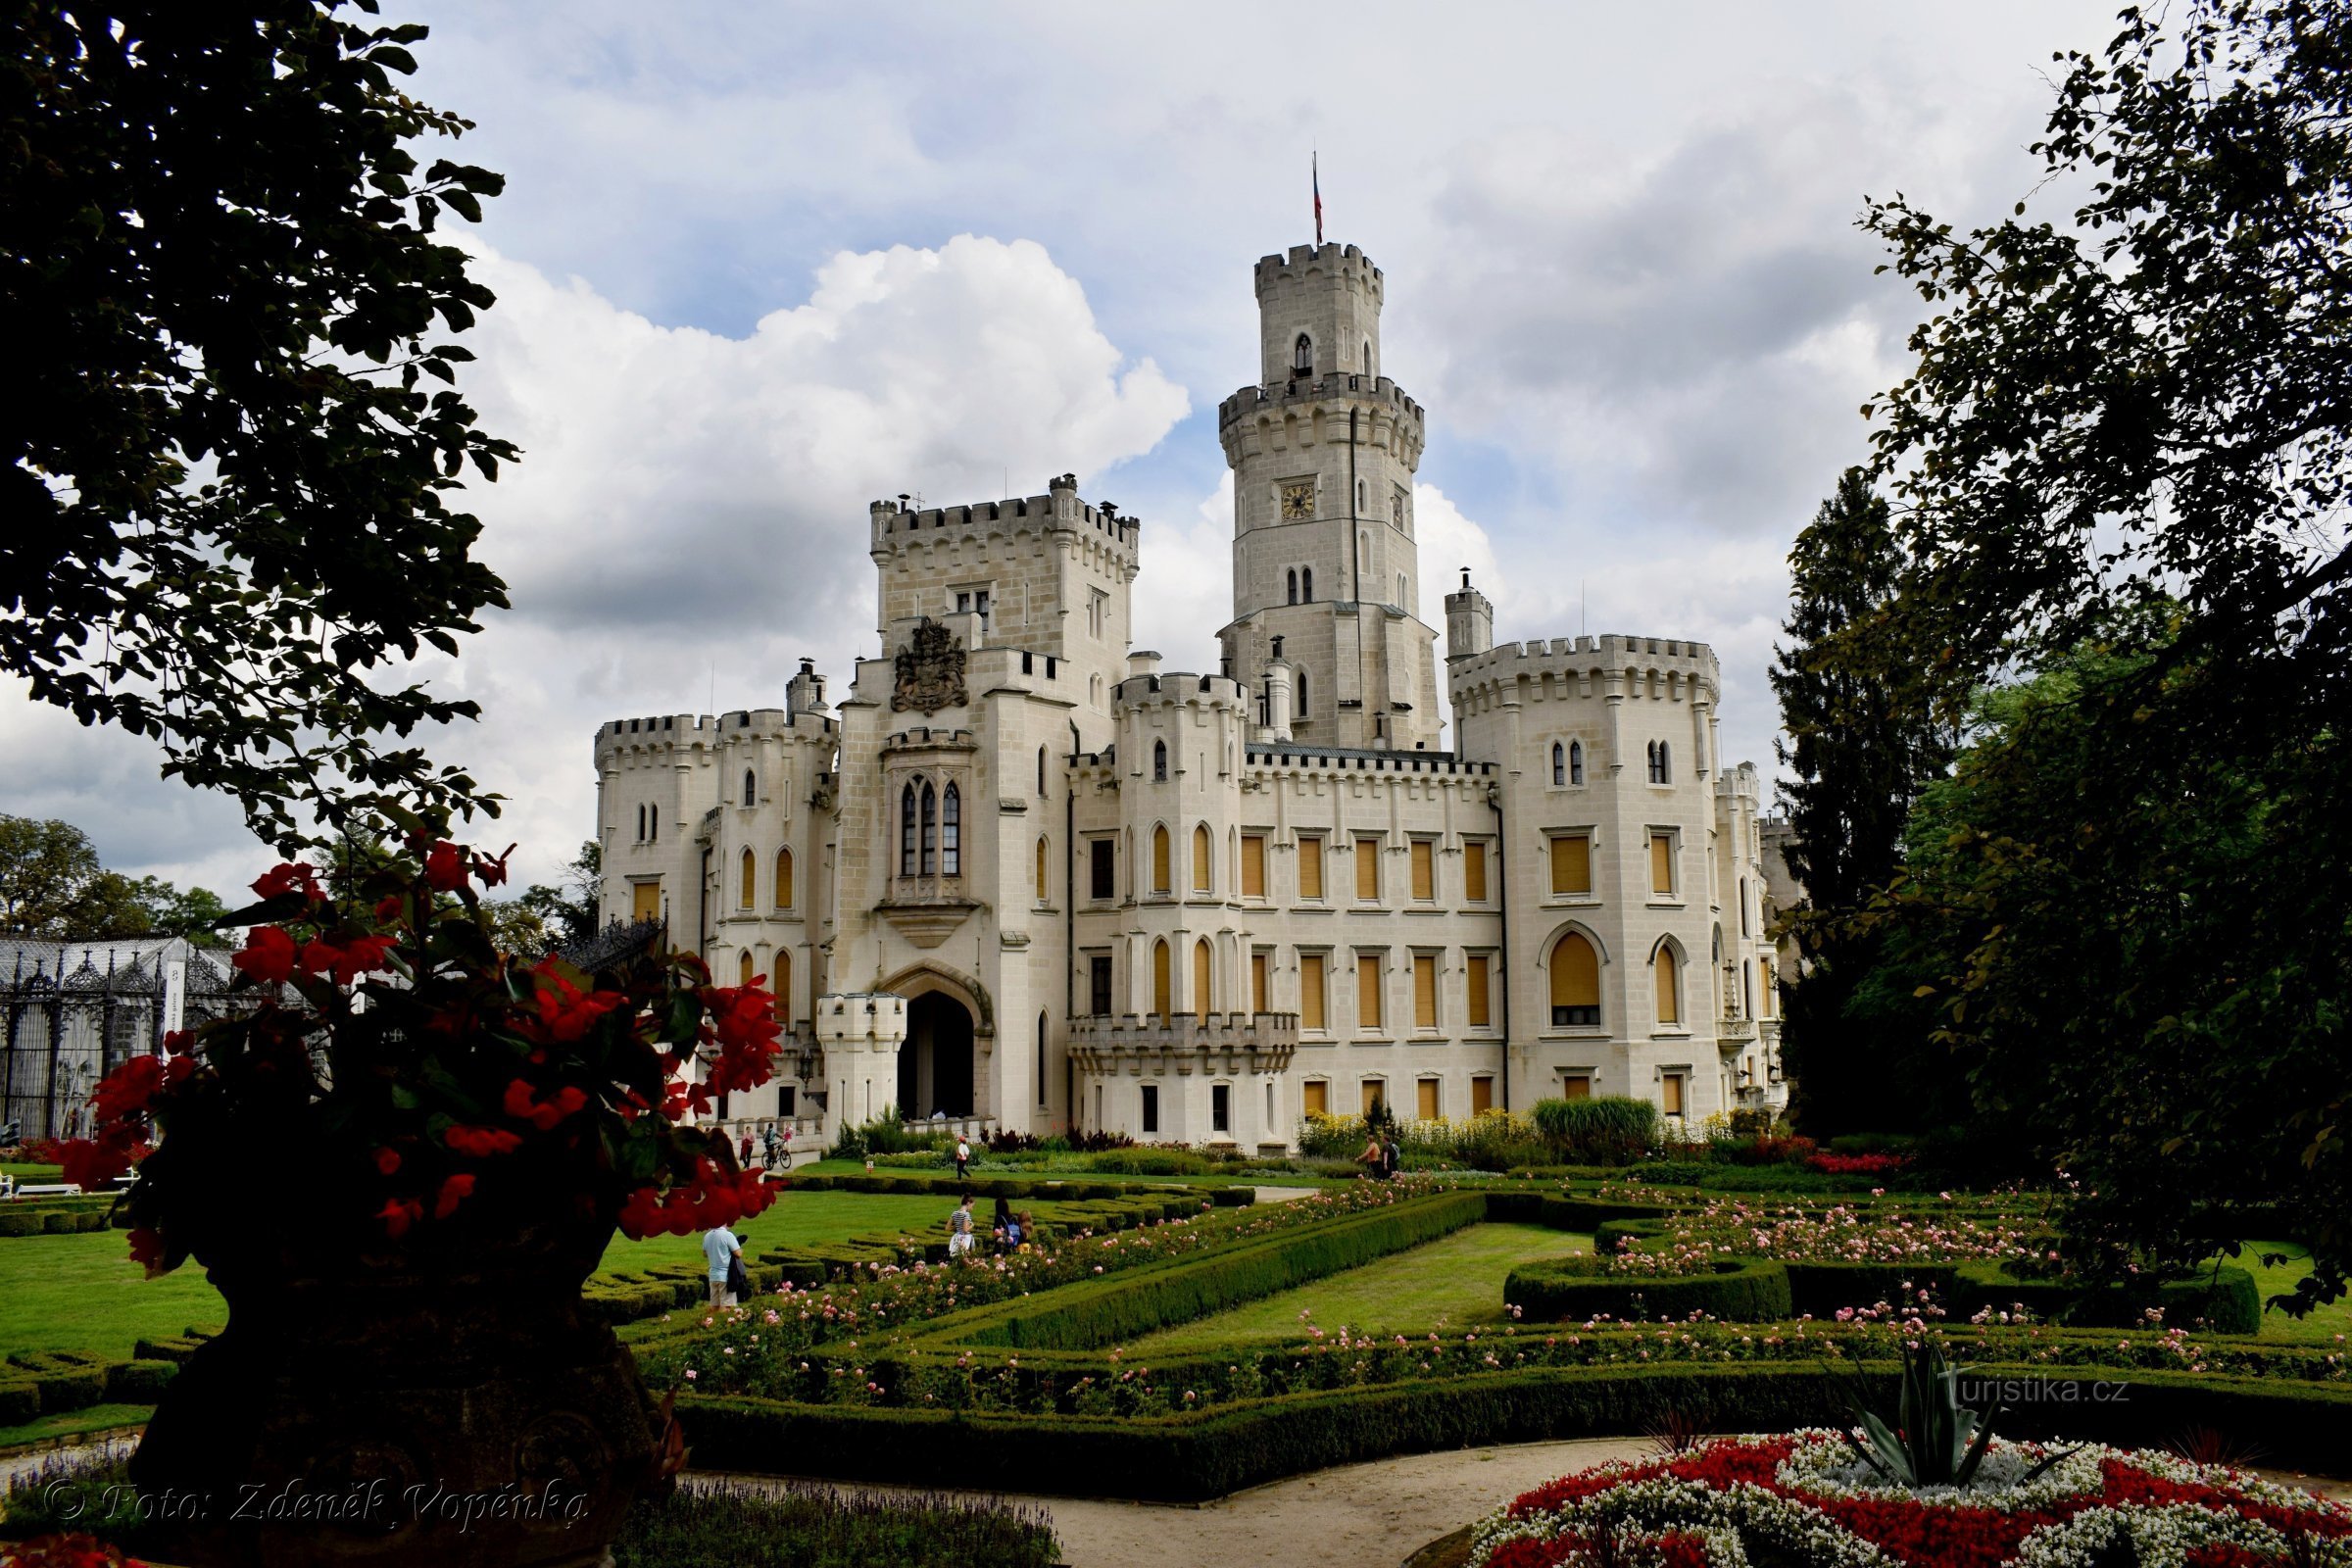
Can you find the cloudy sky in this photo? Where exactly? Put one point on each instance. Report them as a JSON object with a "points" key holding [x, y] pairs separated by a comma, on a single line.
{"points": [[759, 265]]}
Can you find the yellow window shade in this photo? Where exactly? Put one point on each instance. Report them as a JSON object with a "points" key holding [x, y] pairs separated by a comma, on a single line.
{"points": [[1575, 973], [1576, 1086], [1425, 1099], [1480, 1003], [742, 968], [1670, 1094], [1371, 1095], [1572, 865], [1041, 870], [1474, 873], [1367, 868], [1159, 978], [1311, 988], [780, 983], [1661, 862], [1201, 859], [1254, 867], [1670, 992], [1314, 1099], [1482, 1094], [1311, 869], [1425, 871], [644, 902], [783, 879], [1201, 992], [749, 879], [1257, 983], [1425, 990], [1159, 860], [1367, 992]]}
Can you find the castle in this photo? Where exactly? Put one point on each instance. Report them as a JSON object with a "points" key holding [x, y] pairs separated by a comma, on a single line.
{"points": [[1021, 877]]}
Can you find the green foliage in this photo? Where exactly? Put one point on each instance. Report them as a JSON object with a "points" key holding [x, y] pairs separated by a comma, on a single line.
{"points": [[1571, 1290], [52, 885], [2122, 461], [803, 1526], [1931, 1439], [236, 416], [1605, 1130]]}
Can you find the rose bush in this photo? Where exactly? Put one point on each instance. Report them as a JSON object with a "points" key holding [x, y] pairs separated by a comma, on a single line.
{"points": [[396, 1072]]}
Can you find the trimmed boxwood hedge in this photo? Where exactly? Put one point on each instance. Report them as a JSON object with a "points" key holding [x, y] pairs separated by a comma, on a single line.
{"points": [[1192, 1458], [2227, 1299], [38, 1383], [1574, 1288], [1104, 1311], [1080, 1188]]}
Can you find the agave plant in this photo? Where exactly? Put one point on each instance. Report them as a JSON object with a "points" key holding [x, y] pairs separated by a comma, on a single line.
{"points": [[1933, 1440]]}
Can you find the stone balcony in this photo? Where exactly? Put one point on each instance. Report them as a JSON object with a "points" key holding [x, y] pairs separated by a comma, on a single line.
{"points": [[1228, 1043]]}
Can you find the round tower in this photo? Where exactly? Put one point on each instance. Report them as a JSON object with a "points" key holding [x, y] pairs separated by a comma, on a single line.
{"points": [[1323, 450]]}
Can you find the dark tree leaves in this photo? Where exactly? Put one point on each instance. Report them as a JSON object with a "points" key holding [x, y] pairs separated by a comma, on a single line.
{"points": [[227, 313]]}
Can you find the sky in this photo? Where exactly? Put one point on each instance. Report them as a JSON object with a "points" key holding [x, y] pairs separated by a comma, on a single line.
{"points": [[759, 265]]}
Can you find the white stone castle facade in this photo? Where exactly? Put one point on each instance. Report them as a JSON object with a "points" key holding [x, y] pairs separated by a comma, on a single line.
{"points": [[1022, 877]]}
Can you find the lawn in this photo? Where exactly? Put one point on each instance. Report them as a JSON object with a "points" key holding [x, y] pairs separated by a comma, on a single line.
{"points": [[83, 1293], [1456, 1281], [2330, 1324]]}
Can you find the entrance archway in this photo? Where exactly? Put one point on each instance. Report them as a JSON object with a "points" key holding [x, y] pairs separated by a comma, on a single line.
{"points": [[935, 1065]]}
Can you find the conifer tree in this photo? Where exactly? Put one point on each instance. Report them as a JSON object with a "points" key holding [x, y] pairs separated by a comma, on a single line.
{"points": [[1859, 760]]}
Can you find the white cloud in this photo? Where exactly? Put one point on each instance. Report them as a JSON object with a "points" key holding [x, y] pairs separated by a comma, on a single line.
{"points": [[690, 514]]}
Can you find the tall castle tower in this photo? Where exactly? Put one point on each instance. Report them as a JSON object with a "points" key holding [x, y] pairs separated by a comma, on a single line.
{"points": [[1323, 450]]}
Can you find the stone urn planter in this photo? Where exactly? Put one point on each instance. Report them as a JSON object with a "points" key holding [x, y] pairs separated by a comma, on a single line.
{"points": [[450, 1402]]}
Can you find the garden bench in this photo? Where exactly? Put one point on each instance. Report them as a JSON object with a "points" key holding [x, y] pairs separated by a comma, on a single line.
{"points": [[45, 1189]]}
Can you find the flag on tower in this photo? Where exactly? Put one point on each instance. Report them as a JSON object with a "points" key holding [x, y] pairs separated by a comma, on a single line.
{"points": [[1315, 174]]}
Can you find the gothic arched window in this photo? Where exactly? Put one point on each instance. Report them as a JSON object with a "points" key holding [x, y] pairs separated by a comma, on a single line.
{"points": [[1302, 694], [1159, 761], [653, 824], [749, 890], [930, 835], [950, 833], [641, 824], [907, 818], [1041, 770], [1293, 585], [1368, 356], [1303, 356], [1575, 761], [750, 787], [1559, 764], [784, 879]]}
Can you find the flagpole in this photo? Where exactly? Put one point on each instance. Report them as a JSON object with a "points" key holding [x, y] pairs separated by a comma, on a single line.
{"points": [[1315, 178]]}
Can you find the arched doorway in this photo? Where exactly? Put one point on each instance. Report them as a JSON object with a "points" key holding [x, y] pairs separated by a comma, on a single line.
{"points": [[935, 1065]]}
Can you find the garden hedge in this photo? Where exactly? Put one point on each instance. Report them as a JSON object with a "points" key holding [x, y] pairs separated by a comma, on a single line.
{"points": [[1193, 1458], [1117, 1307], [38, 1383], [1081, 1188], [1574, 1288]]}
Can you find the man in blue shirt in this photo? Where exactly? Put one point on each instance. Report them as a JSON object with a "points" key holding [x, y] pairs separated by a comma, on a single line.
{"points": [[719, 1245]]}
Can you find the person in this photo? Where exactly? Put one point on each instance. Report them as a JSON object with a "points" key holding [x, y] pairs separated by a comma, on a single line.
{"points": [[720, 1248], [1017, 1231], [1391, 1159], [772, 1151], [963, 1157], [1026, 1226], [1000, 1222], [743, 1155], [1371, 1159], [960, 1228]]}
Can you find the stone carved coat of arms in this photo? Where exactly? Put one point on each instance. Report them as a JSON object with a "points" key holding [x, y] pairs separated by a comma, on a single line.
{"points": [[929, 672]]}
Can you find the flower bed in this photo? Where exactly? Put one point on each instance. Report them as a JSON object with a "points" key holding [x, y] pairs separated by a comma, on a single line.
{"points": [[1808, 1498]]}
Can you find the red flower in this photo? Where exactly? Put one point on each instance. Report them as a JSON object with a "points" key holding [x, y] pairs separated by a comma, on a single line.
{"points": [[91, 1164], [388, 909], [564, 1014], [454, 1190], [267, 957], [179, 1042], [345, 961], [126, 1093], [493, 873], [482, 1142], [398, 1214], [444, 867], [521, 1105], [291, 876], [68, 1551], [387, 1160], [147, 1251]]}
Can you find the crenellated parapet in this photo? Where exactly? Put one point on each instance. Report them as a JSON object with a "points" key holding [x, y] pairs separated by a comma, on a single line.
{"points": [[1290, 415], [674, 736], [1329, 264], [895, 528], [1604, 666], [1181, 689], [1158, 1046]]}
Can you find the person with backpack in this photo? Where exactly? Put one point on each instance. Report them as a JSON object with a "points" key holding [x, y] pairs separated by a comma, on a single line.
{"points": [[959, 1230], [963, 1157]]}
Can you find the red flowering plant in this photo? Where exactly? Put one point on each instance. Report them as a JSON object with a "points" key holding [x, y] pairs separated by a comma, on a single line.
{"points": [[398, 1080]]}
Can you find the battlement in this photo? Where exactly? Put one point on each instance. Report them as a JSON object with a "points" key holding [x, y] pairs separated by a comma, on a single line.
{"points": [[1059, 509], [1295, 393], [1660, 667], [1740, 783], [668, 731], [1333, 760], [1303, 262], [930, 738], [1178, 686], [1262, 1041]]}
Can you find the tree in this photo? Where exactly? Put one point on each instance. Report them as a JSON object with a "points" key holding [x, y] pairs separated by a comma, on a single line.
{"points": [[52, 885], [547, 919], [226, 461], [2140, 417], [1858, 760]]}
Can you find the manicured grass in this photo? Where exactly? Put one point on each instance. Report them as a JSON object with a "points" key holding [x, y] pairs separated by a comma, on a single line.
{"points": [[32, 1173], [2329, 1325], [1456, 1281], [83, 1293], [73, 1423]]}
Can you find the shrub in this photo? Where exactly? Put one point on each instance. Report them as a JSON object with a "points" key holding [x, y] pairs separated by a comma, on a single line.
{"points": [[137, 1381], [67, 1380], [1574, 1288], [1836, 1165], [1149, 1162], [1322, 1137], [801, 1525], [1610, 1130], [20, 1401]]}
